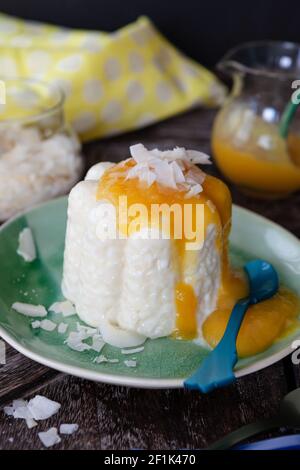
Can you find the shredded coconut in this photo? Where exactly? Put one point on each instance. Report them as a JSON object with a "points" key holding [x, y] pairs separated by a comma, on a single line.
{"points": [[34, 168], [62, 328], [26, 247], [130, 363], [38, 408], [66, 308], [97, 343], [48, 325], [170, 168], [36, 324], [30, 310], [68, 428], [42, 408], [101, 358], [87, 331], [8, 410], [75, 341], [2, 352], [49, 438]]}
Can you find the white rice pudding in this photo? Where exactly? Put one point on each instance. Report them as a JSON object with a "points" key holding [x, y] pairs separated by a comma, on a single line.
{"points": [[126, 286]]}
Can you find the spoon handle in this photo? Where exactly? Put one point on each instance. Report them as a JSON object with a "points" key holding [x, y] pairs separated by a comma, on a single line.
{"points": [[243, 433], [228, 340], [216, 369]]}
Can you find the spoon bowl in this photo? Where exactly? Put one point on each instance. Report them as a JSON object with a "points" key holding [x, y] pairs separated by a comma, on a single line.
{"points": [[217, 368]]}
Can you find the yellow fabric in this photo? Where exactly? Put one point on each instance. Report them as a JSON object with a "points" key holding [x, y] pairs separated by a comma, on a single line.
{"points": [[113, 82]]}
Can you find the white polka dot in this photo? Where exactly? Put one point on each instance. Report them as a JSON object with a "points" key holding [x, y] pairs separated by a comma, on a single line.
{"points": [[71, 63], [111, 112], [7, 26], [8, 67], [181, 84], [59, 37], [162, 59], [135, 91], [112, 68], [190, 69], [64, 85], [84, 121], [164, 91], [33, 27], [142, 35], [146, 119], [21, 41], [92, 90], [136, 62], [92, 42], [38, 62]]}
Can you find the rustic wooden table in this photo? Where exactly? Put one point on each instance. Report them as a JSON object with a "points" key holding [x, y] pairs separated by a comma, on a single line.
{"points": [[113, 417]]}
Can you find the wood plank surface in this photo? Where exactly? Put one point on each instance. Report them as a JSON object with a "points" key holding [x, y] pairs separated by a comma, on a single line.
{"points": [[122, 418]]}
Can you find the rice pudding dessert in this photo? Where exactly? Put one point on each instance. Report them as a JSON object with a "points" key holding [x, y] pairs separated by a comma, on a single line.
{"points": [[147, 281]]}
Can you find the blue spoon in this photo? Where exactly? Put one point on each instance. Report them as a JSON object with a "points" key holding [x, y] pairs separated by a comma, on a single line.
{"points": [[216, 370]]}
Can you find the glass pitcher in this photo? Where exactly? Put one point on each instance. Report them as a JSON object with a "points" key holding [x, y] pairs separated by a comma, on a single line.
{"points": [[247, 139]]}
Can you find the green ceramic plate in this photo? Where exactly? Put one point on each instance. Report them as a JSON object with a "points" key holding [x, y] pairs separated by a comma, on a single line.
{"points": [[164, 362]]}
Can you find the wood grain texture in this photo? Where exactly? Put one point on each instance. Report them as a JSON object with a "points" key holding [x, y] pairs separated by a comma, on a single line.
{"points": [[122, 418]]}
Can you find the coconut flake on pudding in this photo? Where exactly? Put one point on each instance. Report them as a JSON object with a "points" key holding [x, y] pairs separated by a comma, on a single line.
{"points": [[167, 168], [142, 285]]}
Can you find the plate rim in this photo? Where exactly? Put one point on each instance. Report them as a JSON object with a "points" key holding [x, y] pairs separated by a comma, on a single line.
{"points": [[123, 380]]}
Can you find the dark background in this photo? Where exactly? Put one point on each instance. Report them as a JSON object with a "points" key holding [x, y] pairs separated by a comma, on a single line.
{"points": [[204, 29]]}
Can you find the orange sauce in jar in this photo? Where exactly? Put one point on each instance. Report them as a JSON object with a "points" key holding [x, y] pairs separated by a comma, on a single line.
{"points": [[260, 162]]}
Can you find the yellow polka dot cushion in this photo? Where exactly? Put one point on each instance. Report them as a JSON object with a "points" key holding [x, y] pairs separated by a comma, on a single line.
{"points": [[113, 82]]}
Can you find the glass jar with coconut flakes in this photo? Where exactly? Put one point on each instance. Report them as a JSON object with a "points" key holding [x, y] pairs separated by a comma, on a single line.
{"points": [[39, 153]]}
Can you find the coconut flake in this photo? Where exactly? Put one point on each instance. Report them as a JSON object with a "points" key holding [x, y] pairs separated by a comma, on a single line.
{"points": [[133, 351], [62, 327], [97, 343], [36, 324], [19, 410], [26, 247], [195, 189], [36, 409], [2, 353], [49, 438], [47, 325], [22, 412], [130, 363], [31, 423], [68, 428], [87, 331], [30, 310], [41, 407], [19, 403], [66, 308], [75, 341], [170, 168], [8, 410], [101, 358]]}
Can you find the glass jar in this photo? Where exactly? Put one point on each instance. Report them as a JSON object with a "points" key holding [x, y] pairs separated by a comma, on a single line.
{"points": [[39, 153], [247, 141]]}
